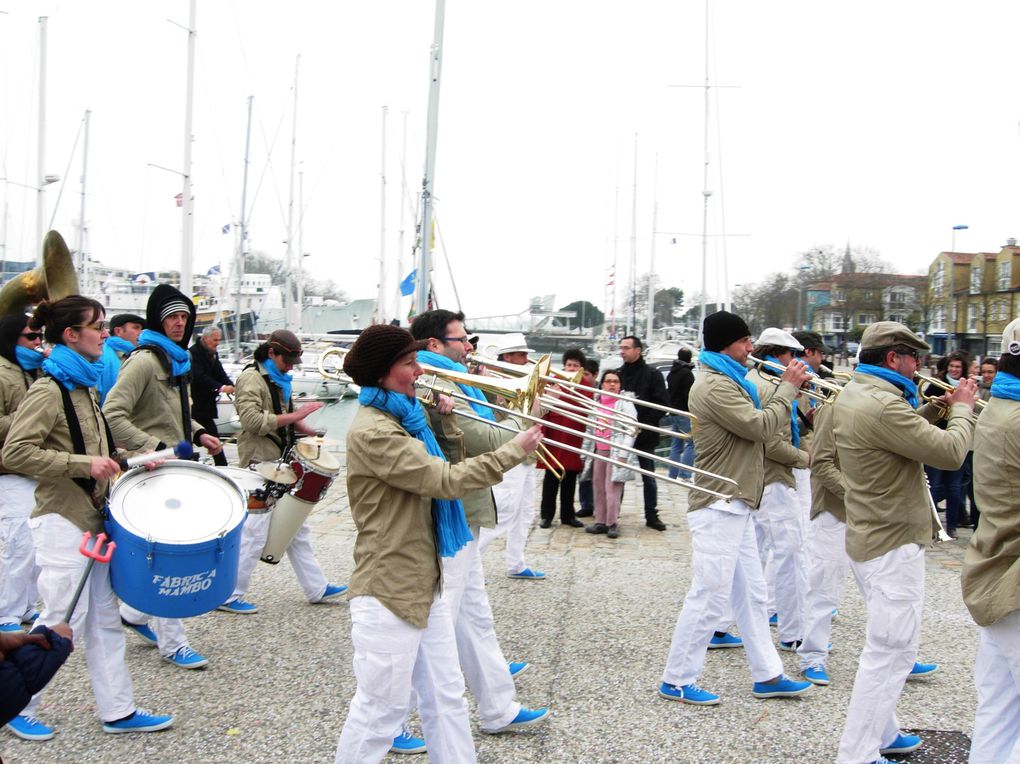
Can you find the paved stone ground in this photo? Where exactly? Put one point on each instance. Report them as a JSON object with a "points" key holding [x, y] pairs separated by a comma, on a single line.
{"points": [[596, 632]]}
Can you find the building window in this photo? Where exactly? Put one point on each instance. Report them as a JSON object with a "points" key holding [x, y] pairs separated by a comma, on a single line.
{"points": [[938, 319], [837, 295], [1005, 275], [869, 295], [897, 298], [975, 279], [972, 312], [865, 318], [900, 318], [938, 281], [836, 323], [994, 345]]}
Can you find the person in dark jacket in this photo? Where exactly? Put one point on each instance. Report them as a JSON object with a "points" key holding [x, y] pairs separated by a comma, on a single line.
{"points": [[647, 384], [27, 664], [208, 380], [678, 383]]}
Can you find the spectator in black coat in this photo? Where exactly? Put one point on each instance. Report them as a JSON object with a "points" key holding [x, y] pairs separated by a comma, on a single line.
{"points": [[647, 384], [27, 664], [678, 383], [208, 380]]}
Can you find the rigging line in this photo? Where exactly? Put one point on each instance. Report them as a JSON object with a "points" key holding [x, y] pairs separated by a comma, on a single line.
{"points": [[217, 141], [269, 167], [446, 257], [725, 296], [67, 170]]}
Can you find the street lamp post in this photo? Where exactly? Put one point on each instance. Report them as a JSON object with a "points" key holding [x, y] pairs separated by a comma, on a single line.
{"points": [[800, 295], [951, 298]]}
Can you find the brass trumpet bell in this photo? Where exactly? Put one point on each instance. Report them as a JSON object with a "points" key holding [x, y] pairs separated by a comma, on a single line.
{"points": [[52, 280]]}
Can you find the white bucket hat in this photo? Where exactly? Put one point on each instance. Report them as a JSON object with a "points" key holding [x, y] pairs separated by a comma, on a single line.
{"points": [[1011, 338], [774, 336], [513, 342]]}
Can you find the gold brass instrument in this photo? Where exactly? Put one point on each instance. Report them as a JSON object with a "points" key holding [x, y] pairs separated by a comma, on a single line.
{"points": [[824, 390], [339, 376], [936, 400], [842, 376], [53, 280], [423, 383]]}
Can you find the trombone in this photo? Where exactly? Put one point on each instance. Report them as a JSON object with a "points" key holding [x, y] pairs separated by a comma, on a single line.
{"points": [[824, 390], [572, 449], [842, 376]]}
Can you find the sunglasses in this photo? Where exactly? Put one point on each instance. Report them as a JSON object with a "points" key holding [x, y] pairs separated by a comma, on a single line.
{"points": [[99, 326], [32, 335]]}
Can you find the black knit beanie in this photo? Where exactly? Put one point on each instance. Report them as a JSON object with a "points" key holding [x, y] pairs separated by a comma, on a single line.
{"points": [[376, 350], [723, 329]]}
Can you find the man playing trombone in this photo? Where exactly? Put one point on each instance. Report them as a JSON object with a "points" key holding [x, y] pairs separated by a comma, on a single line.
{"points": [[882, 442], [733, 428]]}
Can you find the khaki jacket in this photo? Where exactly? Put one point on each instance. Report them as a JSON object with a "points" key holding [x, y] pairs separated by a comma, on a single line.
{"points": [[730, 435], [39, 445], [258, 440], [391, 480], [14, 384], [143, 409], [991, 564], [781, 456], [827, 485], [461, 438], [882, 444]]}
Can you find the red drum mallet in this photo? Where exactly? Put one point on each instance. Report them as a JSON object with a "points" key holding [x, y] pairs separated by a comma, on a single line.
{"points": [[95, 555]]}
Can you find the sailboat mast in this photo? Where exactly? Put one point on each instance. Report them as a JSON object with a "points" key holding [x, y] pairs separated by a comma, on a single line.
{"points": [[380, 300], [705, 193], [632, 316], [421, 297], [292, 316], [187, 201], [41, 148], [301, 244], [650, 319], [243, 237], [83, 260]]}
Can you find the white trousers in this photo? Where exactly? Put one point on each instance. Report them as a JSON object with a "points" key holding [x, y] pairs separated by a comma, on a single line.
{"points": [[390, 658], [803, 480], [996, 738], [95, 622], [18, 571], [727, 571], [827, 567], [515, 512], [893, 587], [170, 636], [481, 659], [778, 527], [306, 568]]}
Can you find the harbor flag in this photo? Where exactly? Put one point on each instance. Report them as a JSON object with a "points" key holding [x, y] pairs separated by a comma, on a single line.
{"points": [[214, 271], [407, 285], [225, 229], [179, 199]]}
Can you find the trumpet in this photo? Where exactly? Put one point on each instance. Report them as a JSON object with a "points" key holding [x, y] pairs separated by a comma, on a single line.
{"points": [[936, 400], [824, 390], [842, 376], [430, 387]]}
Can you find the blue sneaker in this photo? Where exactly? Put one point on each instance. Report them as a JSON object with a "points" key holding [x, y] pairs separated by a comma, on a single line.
{"points": [[784, 688], [29, 728], [835, 612], [525, 718], [187, 658], [690, 693], [11, 628], [239, 606], [332, 592], [139, 721], [407, 743], [517, 668], [147, 635], [774, 620], [922, 670], [902, 744], [726, 640], [529, 574], [816, 675]]}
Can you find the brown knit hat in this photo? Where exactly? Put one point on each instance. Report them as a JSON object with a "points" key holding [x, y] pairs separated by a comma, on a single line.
{"points": [[376, 350]]}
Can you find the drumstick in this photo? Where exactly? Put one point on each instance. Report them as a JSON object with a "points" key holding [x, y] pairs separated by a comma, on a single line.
{"points": [[182, 450]]}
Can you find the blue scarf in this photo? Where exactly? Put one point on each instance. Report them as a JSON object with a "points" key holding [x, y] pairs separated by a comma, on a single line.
{"points": [[180, 359], [726, 365], [452, 532], [29, 360], [72, 369], [442, 362], [794, 424], [280, 379], [120, 345], [1006, 386], [895, 378]]}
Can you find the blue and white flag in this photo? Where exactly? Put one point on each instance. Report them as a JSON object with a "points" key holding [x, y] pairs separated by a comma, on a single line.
{"points": [[225, 229], [214, 271], [407, 285]]}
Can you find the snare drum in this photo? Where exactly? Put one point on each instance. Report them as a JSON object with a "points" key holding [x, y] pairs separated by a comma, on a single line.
{"points": [[260, 499], [178, 533]]}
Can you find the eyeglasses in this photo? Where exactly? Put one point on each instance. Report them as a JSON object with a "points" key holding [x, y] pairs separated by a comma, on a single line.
{"points": [[912, 353], [32, 335], [99, 326], [463, 339]]}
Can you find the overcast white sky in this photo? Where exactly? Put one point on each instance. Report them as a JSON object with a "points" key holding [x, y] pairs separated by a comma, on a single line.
{"points": [[880, 123]]}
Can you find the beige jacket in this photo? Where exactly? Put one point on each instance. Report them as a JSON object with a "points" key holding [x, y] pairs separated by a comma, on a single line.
{"points": [[991, 564], [461, 438], [882, 444], [39, 445], [391, 480], [143, 409], [14, 384], [781, 456], [730, 435], [258, 440], [827, 485]]}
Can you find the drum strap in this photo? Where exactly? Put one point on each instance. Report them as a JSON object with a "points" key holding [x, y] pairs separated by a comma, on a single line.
{"points": [[78, 439], [284, 435]]}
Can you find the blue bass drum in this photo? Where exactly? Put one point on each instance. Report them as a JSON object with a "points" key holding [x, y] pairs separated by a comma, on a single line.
{"points": [[178, 534]]}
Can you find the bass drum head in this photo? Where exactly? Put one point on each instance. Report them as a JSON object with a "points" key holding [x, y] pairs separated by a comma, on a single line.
{"points": [[317, 458], [179, 502], [248, 480]]}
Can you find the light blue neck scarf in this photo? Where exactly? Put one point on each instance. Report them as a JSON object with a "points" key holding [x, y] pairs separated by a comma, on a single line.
{"points": [[29, 360], [725, 365], [1006, 386], [119, 344], [452, 532], [794, 424], [893, 377], [72, 369], [442, 362], [281, 380], [180, 359]]}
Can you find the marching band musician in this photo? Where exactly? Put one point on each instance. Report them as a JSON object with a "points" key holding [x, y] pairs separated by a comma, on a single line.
{"points": [[149, 408], [991, 575], [124, 331], [403, 497], [269, 421], [20, 361], [733, 428], [59, 435], [779, 521], [882, 444]]}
